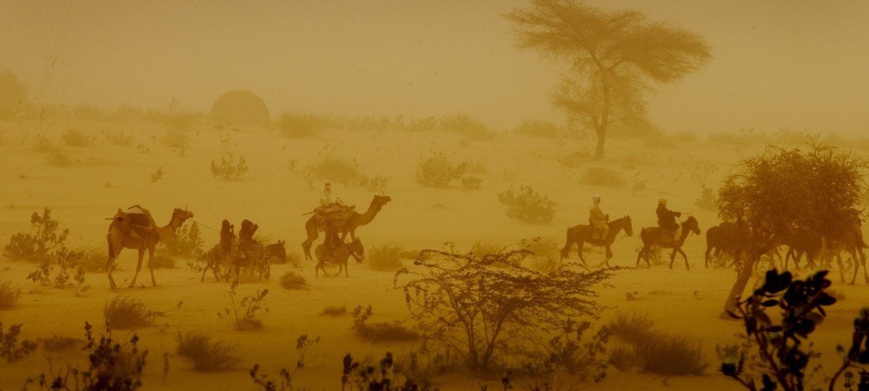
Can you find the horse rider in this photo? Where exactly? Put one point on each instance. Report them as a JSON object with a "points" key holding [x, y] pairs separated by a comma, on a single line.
{"points": [[226, 236], [667, 219], [598, 219]]}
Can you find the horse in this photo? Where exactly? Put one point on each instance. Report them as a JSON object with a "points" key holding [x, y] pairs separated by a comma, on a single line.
{"points": [[579, 234], [657, 236], [338, 256]]}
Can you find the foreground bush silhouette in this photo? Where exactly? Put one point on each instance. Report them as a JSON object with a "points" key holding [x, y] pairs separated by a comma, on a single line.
{"points": [[113, 366], [10, 349], [473, 305], [779, 349]]}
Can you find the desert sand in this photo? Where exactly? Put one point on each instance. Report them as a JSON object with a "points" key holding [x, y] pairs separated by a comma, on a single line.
{"points": [[102, 177]]}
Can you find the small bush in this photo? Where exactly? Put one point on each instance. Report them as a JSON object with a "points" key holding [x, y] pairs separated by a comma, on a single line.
{"points": [[10, 349], [381, 331], [59, 159], [291, 280], [471, 183], [708, 198], [229, 167], [243, 315], [118, 138], [69, 272], [469, 127], [545, 254], [127, 312], [602, 176], [205, 354], [58, 343], [44, 237], [527, 206], [177, 139], [9, 293], [438, 171], [538, 128], [302, 125], [339, 170], [76, 138], [656, 351], [385, 257], [93, 260], [334, 311], [186, 243]]}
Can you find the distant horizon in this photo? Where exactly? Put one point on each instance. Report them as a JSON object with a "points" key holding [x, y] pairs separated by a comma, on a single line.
{"points": [[776, 65]]}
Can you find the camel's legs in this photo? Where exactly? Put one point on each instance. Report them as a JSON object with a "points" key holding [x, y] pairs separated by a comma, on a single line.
{"points": [[151, 263], [110, 263], [138, 266]]}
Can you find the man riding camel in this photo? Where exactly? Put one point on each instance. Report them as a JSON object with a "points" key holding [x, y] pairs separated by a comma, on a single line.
{"points": [[598, 220], [667, 219], [329, 213]]}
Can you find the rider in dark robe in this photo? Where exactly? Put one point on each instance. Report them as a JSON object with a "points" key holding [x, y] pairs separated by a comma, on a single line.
{"points": [[667, 218]]}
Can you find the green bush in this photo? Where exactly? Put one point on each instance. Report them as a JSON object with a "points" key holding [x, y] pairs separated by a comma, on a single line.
{"points": [[127, 312], [438, 171], [602, 176], [205, 354], [527, 206]]}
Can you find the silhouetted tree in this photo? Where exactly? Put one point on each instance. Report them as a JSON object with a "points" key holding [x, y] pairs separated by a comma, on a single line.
{"points": [[613, 57], [13, 93], [476, 305], [781, 190]]}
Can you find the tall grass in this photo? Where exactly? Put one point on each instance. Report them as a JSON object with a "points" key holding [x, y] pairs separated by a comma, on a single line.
{"points": [[128, 312], [654, 351], [205, 354]]}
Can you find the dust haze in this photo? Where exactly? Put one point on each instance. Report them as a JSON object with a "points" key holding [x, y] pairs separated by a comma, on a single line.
{"points": [[434, 125]]}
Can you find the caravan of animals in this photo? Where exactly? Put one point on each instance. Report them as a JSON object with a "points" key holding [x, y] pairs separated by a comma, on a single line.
{"points": [[276, 309]]}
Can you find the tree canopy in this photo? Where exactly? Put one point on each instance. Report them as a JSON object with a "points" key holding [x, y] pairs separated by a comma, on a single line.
{"points": [[613, 58]]}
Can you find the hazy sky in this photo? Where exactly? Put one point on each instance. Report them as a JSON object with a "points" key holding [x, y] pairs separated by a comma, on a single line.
{"points": [[777, 63]]}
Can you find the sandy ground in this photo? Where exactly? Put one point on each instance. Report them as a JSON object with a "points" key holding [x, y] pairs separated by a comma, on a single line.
{"points": [[104, 177]]}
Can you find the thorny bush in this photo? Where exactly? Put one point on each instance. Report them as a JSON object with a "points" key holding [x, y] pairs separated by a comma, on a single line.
{"points": [[527, 206], [478, 306]]}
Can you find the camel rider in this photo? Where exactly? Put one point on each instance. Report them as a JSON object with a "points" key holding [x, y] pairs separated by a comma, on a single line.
{"points": [[667, 219], [327, 212], [598, 219]]}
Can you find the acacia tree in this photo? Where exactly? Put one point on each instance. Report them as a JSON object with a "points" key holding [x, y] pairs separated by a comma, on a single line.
{"points": [[613, 58], [474, 305], [813, 189]]}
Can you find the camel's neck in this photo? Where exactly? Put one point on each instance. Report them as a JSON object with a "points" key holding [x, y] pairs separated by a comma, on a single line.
{"points": [[369, 214], [168, 231]]}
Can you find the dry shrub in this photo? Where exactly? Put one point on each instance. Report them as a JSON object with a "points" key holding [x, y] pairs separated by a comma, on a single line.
{"points": [[176, 138], [469, 127], [380, 331], [9, 294], [545, 254], [527, 206], [294, 258], [602, 176], [303, 125], [623, 358], [438, 170], [655, 351], [59, 343], [205, 354], [76, 138], [93, 260], [118, 138], [538, 128], [128, 312], [339, 170], [385, 257], [291, 280], [59, 159], [334, 311]]}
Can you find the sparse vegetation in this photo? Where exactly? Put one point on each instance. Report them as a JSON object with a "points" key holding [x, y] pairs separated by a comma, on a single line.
{"points": [[472, 307], [186, 243], [527, 206], [69, 272], [229, 167], [602, 176], [292, 280], [10, 349], [205, 354], [466, 126], [118, 138], [113, 366], [655, 351], [244, 314], [59, 343], [438, 171], [303, 125], [334, 311], [128, 312], [385, 257], [379, 331], [76, 138], [9, 293], [43, 239], [538, 128]]}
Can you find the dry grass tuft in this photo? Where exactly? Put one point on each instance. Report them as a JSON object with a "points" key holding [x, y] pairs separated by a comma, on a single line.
{"points": [[127, 312], [9, 294], [205, 354]]}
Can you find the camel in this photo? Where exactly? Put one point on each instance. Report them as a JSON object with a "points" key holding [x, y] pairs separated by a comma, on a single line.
{"points": [[122, 235], [655, 236], [578, 234], [355, 220], [338, 256]]}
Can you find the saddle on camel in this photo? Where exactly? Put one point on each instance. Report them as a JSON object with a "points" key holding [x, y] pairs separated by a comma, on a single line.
{"points": [[137, 222], [330, 218]]}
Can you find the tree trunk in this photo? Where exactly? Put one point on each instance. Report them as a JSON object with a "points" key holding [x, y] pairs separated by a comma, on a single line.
{"points": [[601, 140], [739, 286]]}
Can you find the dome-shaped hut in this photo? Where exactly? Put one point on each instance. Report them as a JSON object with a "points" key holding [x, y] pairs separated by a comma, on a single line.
{"points": [[240, 108]]}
